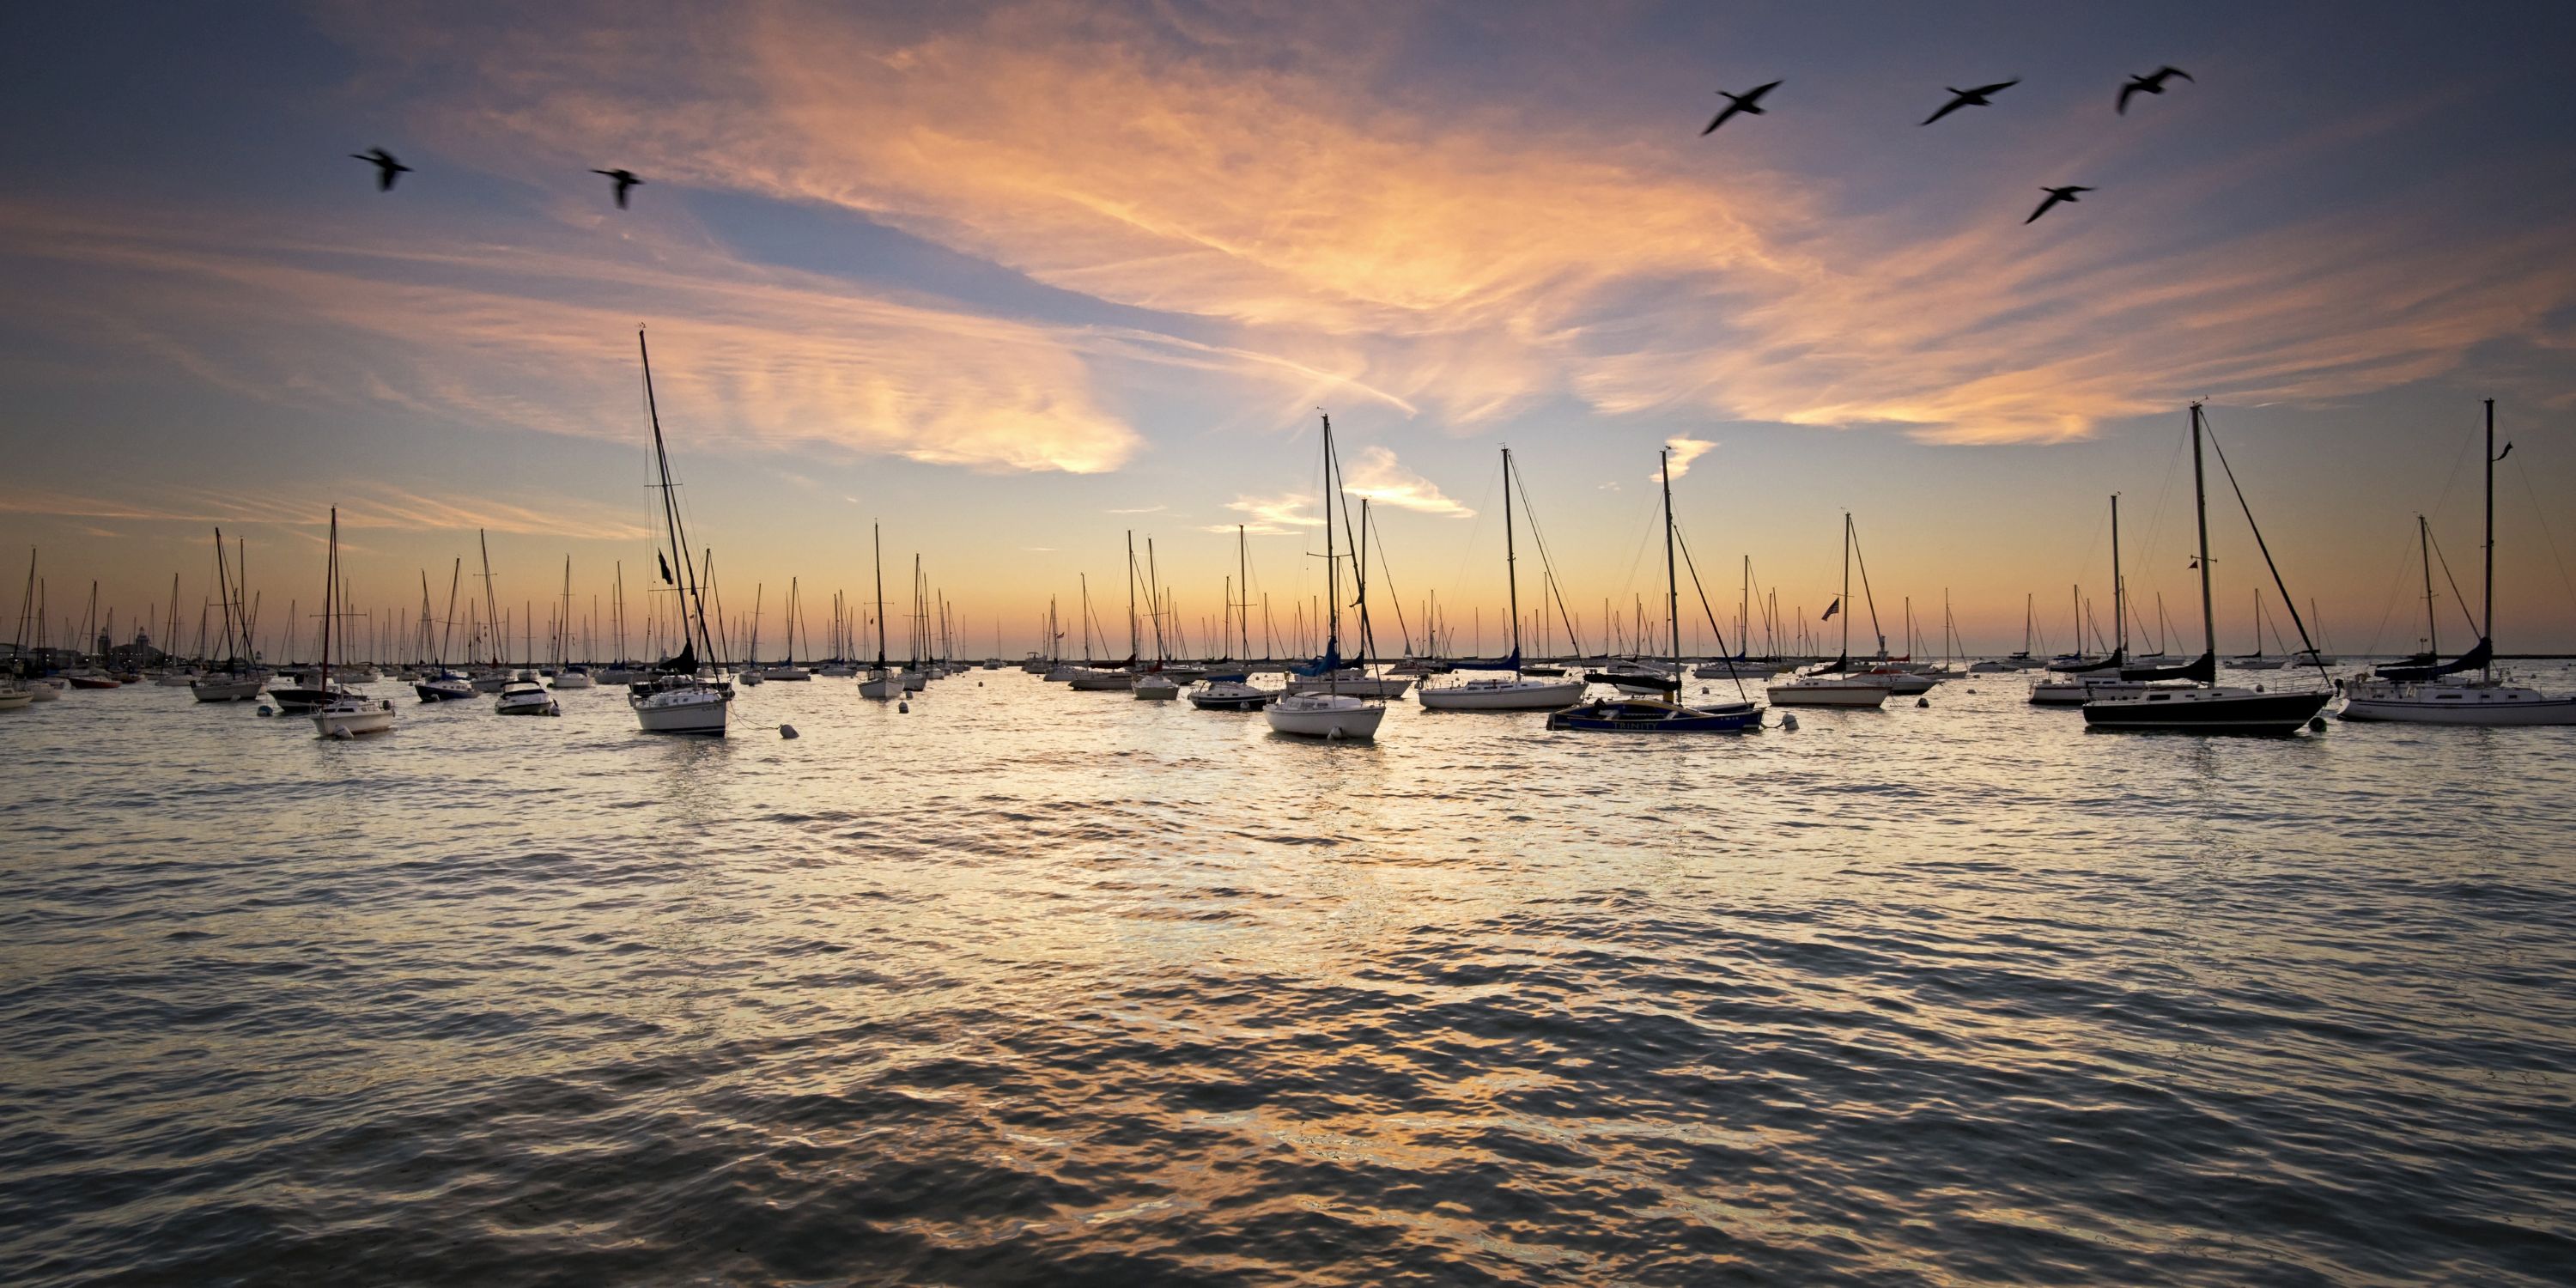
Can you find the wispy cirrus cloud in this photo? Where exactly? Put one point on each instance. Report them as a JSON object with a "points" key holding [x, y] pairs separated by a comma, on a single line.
{"points": [[540, 336], [362, 505], [1467, 265]]}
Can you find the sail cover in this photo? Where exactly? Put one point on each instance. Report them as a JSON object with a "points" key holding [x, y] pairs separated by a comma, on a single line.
{"points": [[2203, 669], [685, 664], [2474, 660], [1330, 662], [1512, 663]]}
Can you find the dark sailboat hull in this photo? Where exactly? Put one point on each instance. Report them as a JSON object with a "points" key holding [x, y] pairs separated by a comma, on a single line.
{"points": [[2190, 711]]}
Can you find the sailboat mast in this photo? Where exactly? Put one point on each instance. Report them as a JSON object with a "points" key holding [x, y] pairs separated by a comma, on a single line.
{"points": [[1672, 582], [2119, 588], [876, 538], [693, 605], [2200, 512], [1243, 580], [1845, 603], [1332, 569], [2424, 549], [1134, 640], [2486, 627], [1511, 561]]}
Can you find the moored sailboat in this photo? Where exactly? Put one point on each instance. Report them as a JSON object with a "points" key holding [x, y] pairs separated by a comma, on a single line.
{"points": [[2201, 704], [1659, 714], [2425, 693], [1518, 692], [344, 714], [1327, 712], [677, 699]]}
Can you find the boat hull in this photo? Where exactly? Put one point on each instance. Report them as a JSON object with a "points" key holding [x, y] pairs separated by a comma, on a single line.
{"points": [[1827, 694], [1325, 716], [349, 718], [1533, 695], [1654, 716], [693, 711], [227, 689], [13, 699], [2207, 711], [1102, 681], [2458, 705]]}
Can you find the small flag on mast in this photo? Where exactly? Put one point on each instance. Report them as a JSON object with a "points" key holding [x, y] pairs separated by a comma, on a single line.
{"points": [[666, 568], [1830, 610]]}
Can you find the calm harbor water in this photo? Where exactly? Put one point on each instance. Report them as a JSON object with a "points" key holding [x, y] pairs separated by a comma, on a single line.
{"points": [[1045, 987]]}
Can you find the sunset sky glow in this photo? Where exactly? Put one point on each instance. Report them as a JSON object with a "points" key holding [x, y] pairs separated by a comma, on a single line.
{"points": [[1017, 278]]}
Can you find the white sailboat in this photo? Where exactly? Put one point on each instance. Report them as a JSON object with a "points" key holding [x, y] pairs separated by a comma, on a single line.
{"points": [[2425, 694], [1517, 692], [1329, 712], [677, 699], [881, 682], [1832, 685], [345, 714], [237, 680]]}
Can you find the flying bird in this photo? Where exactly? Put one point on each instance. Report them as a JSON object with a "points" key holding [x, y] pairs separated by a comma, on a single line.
{"points": [[1748, 102], [625, 179], [1970, 98], [2151, 83], [2055, 195], [386, 166]]}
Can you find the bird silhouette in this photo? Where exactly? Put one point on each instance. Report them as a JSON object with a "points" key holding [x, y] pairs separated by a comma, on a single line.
{"points": [[386, 166], [1970, 98], [1748, 102], [2055, 195], [2151, 83], [625, 179]]}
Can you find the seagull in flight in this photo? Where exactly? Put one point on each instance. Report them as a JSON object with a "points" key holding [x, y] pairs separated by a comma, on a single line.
{"points": [[1970, 98], [386, 166], [1748, 102], [2055, 195], [625, 179], [2151, 83]]}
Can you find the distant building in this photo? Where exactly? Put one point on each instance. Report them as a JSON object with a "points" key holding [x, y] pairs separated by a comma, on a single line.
{"points": [[134, 656]]}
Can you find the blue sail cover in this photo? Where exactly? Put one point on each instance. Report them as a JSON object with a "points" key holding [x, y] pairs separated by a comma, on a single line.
{"points": [[684, 664], [2203, 669], [1512, 663], [1330, 662], [2474, 660]]}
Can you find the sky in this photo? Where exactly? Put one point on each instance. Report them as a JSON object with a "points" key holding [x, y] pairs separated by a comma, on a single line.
{"points": [[1013, 280]]}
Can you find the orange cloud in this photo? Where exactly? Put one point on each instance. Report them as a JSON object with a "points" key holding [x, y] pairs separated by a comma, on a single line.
{"points": [[1472, 264]]}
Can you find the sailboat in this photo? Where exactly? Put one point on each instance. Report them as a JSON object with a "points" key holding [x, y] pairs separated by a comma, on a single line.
{"points": [[2257, 660], [443, 685], [571, 674], [2067, 687], [1518, 692], [787, 669], [236, 680], [677, 699], [881, 682], [1327, 712], [1658, 714], [344, 714], [2201, 704], [1234, 691], [1832, 685], [1156, 683], [2423, 694]]}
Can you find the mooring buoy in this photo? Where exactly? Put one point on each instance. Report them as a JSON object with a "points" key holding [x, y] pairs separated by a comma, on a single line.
{"points": [[786, 731]]}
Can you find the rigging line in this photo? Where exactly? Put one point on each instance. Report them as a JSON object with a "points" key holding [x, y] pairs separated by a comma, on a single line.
{"points": [[2546, 534], [2261, 545], [2389, 608], [1867, 597], [1547, 566], [1724, 654], [2456, 597], [1386, 572]]}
